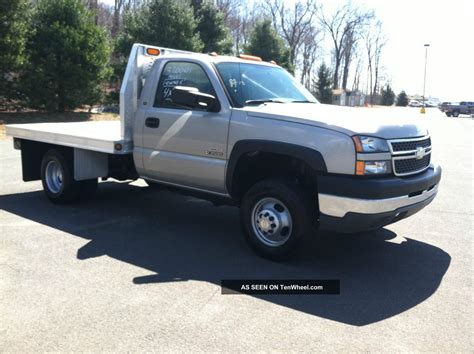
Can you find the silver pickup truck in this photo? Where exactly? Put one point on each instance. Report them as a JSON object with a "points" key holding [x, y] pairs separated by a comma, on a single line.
{"points": [[244, 132]]}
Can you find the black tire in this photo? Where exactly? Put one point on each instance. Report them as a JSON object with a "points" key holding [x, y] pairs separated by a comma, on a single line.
{"points": [[66, 189], [448, 114], [455, 114], [61, 190], [258, 207]]}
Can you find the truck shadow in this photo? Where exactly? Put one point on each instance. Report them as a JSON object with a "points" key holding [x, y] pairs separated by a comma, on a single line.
{"points": [[181, 238]]}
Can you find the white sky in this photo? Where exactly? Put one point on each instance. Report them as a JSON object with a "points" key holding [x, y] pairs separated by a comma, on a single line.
{"points": [[448, 26]]}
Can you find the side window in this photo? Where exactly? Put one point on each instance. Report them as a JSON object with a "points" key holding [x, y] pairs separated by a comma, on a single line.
{"points": [[180, 74]]}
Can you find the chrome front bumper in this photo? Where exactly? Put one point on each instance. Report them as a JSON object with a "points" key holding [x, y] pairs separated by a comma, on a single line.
{"points": [[337, 206], [350, 204]]}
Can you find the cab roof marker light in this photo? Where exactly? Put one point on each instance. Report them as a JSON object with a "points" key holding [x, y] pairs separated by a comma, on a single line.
{"points": [[153, 51], [250, 57]]}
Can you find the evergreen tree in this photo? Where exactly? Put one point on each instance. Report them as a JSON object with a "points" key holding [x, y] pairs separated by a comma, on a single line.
{"points": [[388, 96], [324, 85], [13, 28], [402, 99], [163, 23], [67, 56], [212, 29], [266, 43]]}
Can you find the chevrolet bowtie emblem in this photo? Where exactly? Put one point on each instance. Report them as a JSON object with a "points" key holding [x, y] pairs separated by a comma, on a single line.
{"points": [[420, 153]]}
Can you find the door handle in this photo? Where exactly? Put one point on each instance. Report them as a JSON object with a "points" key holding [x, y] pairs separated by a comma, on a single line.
{"points": [[152, 122]]}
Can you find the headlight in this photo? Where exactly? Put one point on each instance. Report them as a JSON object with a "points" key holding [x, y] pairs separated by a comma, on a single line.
{"points": [[364, 168], [370, 144]]}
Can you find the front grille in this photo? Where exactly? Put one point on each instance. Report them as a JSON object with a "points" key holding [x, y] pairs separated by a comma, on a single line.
{"points": [[411, 165], [410, 156], [410, 145]]}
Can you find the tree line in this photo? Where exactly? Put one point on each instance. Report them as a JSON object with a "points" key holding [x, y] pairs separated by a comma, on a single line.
{"points": [[58, 55]]}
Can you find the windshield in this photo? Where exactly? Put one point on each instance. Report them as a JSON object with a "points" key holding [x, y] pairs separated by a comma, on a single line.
{"points": [[252, 84]]}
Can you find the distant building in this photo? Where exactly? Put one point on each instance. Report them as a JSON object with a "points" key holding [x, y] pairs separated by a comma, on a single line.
{"points": [[348, 98], [339, 97]]}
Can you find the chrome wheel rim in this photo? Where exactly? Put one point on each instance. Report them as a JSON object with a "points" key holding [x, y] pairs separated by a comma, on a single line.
{"points": [[272, 222], [54, 176]]}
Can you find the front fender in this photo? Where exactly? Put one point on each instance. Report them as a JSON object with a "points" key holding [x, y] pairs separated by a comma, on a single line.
{"points": [[311, 156]]}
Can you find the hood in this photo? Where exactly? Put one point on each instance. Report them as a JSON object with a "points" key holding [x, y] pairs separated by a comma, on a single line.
{"points": [[378, 122]]}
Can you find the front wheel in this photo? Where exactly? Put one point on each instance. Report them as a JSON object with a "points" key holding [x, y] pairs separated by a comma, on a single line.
{"points": [[276, 215], [448, 114], [455, 114]]}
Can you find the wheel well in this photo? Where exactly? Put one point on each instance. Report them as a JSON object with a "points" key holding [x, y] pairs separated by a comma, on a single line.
{"points": [[32, 153], [256, 166], [120, 167]]}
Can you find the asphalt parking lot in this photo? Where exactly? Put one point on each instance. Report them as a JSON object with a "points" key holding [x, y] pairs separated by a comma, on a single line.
{"points": [[137, 269]]}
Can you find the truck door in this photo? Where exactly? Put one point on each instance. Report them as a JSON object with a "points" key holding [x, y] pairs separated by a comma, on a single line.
{"points": [[182, 146]]}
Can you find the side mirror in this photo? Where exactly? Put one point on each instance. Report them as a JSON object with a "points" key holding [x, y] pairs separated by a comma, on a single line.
{"points": [[191, 97]]}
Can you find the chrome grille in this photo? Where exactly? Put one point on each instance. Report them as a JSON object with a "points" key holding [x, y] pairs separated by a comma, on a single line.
{"points": [[411, 165], [410, 156], [403, 146]]}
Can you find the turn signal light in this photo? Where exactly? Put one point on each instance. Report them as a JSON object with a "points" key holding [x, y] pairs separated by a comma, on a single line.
{"points": [[358, 144], [360, 168], [364, 168]]}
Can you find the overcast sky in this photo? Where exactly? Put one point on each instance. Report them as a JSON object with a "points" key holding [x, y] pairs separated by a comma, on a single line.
{"points": [[448, 26]]}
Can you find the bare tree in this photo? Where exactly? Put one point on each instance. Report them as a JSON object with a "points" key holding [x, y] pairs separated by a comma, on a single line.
{"points": [[294, 23], [342, 26], [105, 16], [230, 8], [349, 48], [309, 54], [374, 43], [240, 18], [380, 42], [118, 5], [358, 71]]}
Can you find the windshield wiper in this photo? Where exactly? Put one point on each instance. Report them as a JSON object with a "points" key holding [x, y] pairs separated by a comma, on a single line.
{"points": [[249, 102], [302, 101]]}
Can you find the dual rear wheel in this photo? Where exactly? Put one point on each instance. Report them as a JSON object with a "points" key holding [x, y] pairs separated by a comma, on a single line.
{"points": [[57, 176]]}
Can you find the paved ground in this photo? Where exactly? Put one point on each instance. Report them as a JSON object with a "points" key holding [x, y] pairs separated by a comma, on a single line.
{"points": [[140, 270]]}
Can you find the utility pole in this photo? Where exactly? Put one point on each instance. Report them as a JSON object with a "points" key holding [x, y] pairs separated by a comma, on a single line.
{"points": [[424, 79]]}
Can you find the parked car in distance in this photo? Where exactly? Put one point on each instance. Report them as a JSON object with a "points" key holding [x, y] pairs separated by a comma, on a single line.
{"points": [[414, 103], [454, 109]]}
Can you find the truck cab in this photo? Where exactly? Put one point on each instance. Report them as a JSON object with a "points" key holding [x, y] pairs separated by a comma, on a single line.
{"points": [[243, 132]]}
